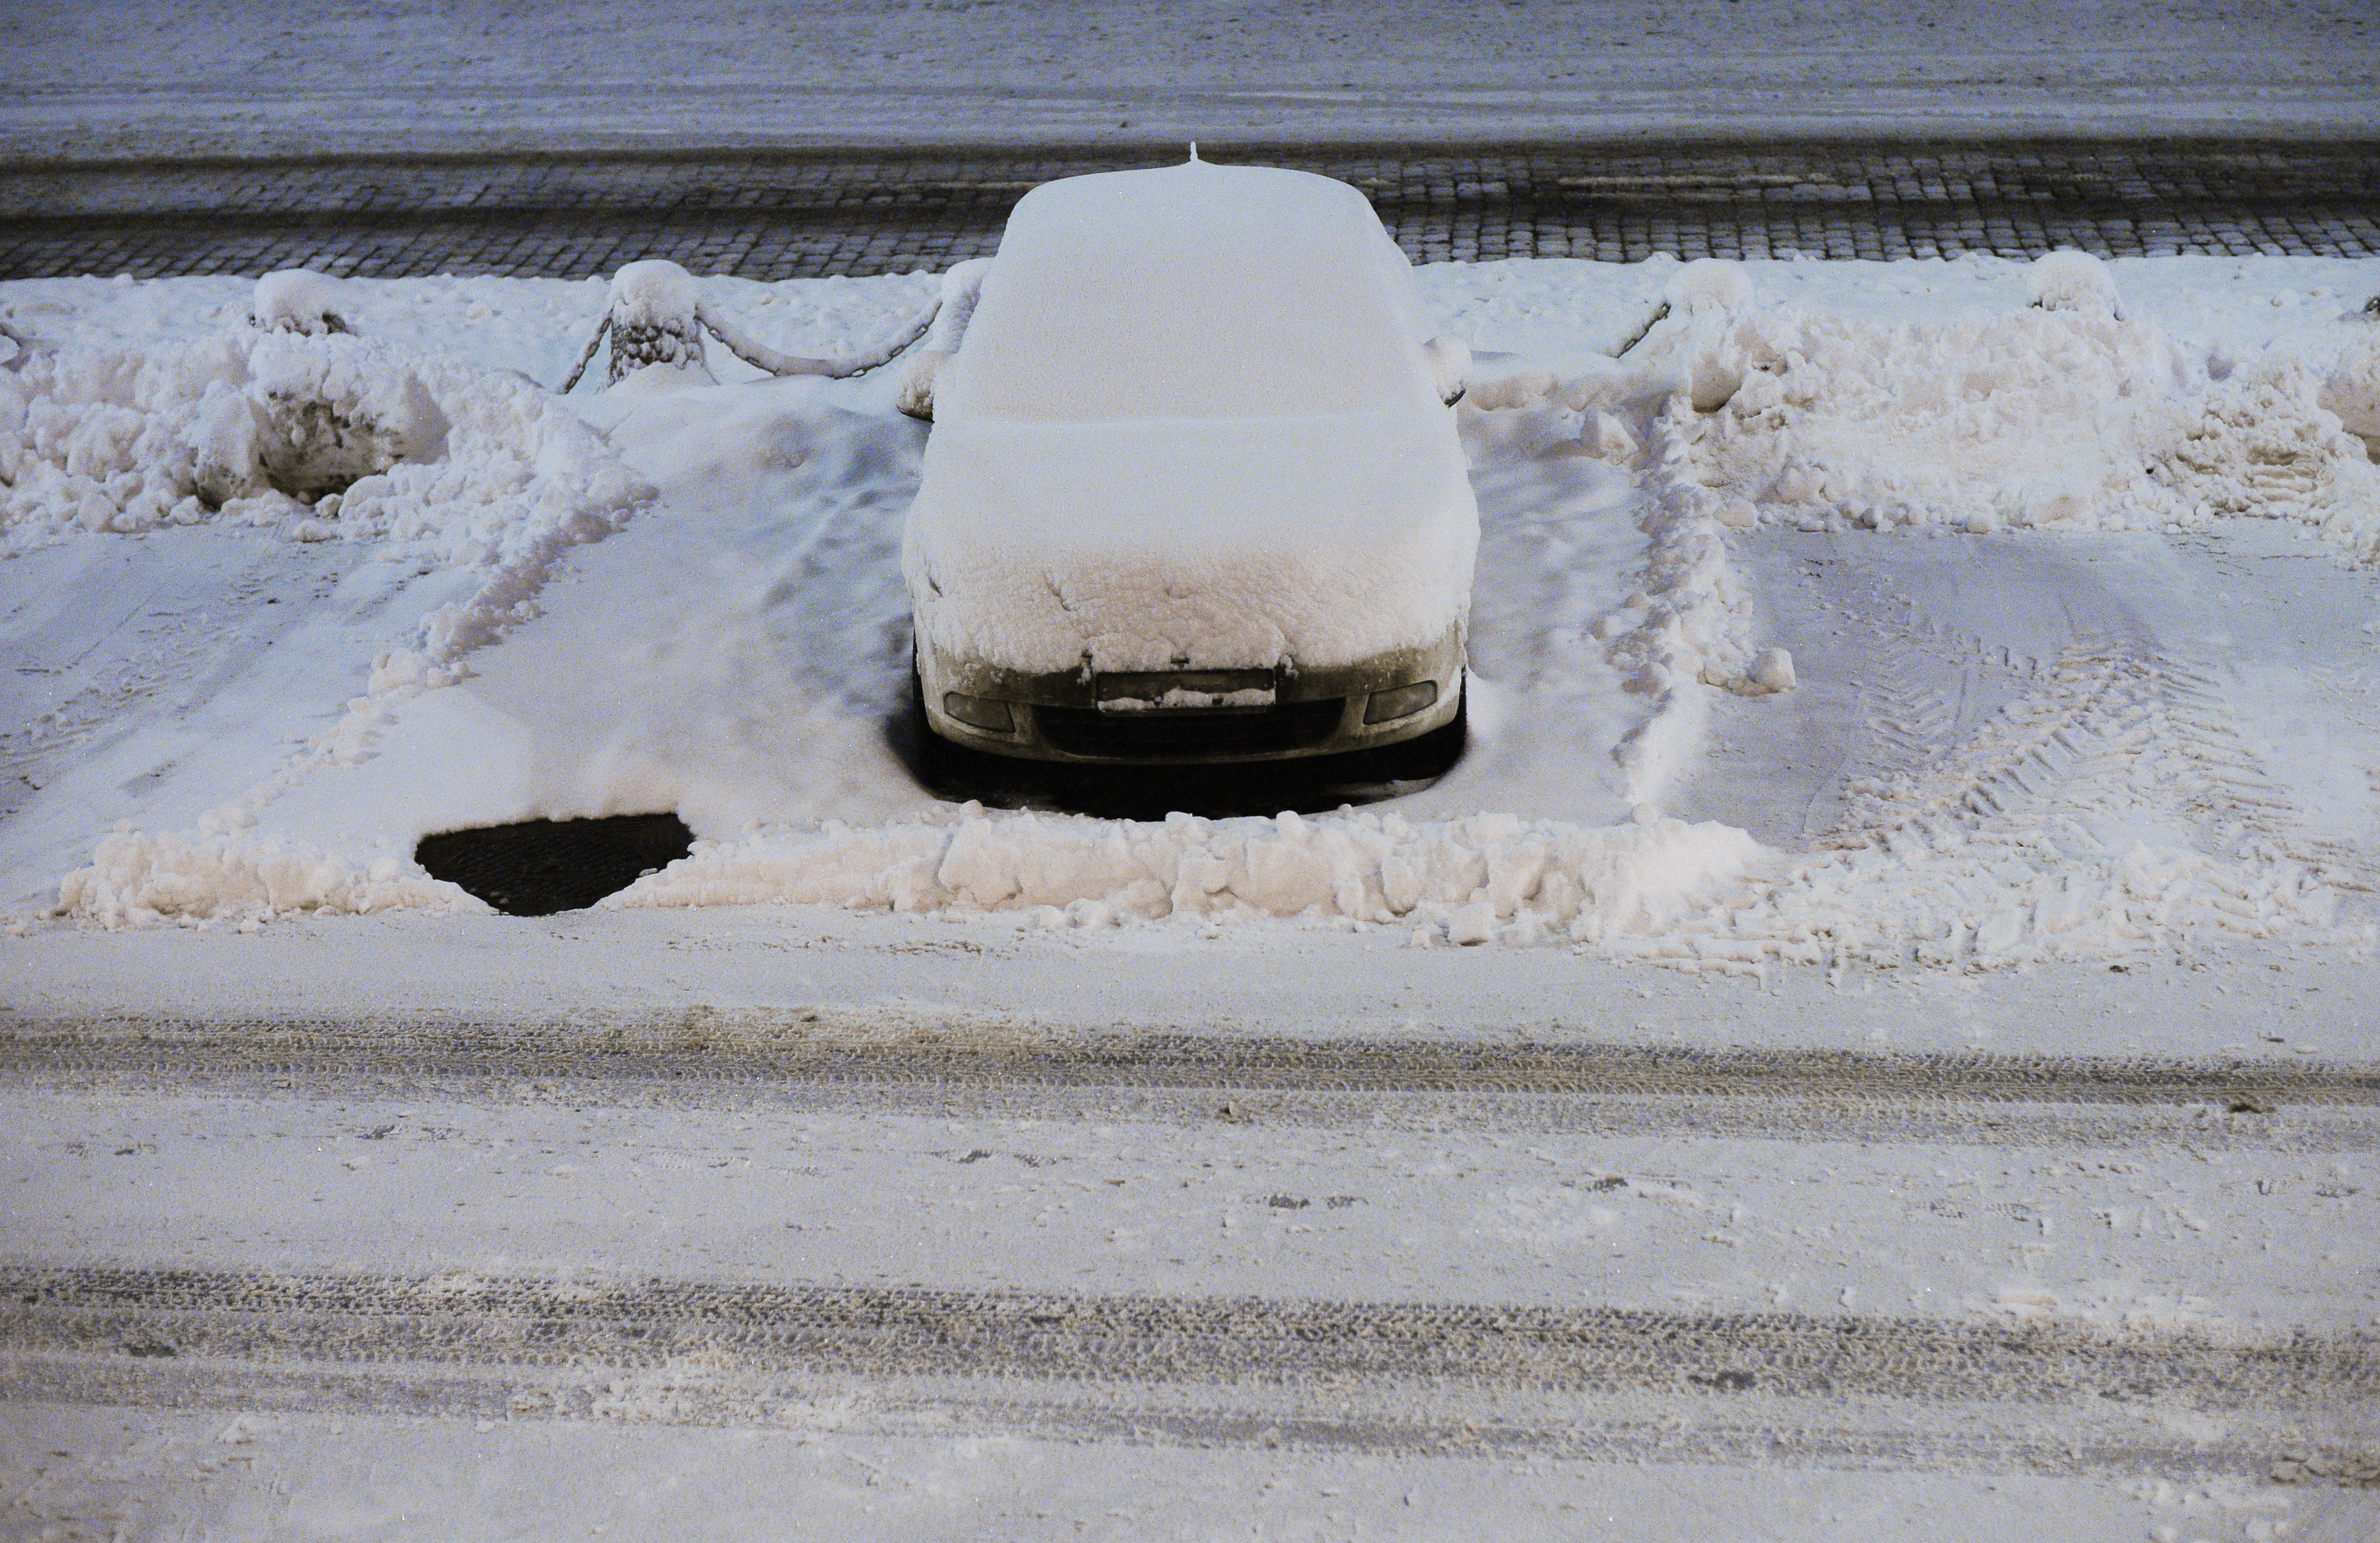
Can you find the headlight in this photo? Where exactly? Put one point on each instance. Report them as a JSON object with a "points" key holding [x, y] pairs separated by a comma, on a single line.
{"points": [[980, 712], [1402, 702]]}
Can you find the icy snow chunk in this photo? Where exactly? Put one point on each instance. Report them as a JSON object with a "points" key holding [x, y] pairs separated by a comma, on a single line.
{"points": [[1772, 670], [915, 394], [2073, 281], [1472, 923], [299, 300], [1450, 365]]}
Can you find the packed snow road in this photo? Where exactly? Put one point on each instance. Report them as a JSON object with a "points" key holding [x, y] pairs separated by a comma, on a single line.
{"points": [[149, 79], [1909, 1057], [944, 1240]]}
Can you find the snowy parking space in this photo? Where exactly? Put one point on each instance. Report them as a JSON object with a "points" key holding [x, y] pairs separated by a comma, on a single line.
{"points": [[1856, 612]]}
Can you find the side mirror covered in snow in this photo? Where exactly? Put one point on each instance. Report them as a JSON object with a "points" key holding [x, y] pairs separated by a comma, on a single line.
{"points": [[1450, 365]]}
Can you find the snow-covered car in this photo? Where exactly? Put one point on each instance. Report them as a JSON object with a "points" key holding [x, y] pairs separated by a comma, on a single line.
{"points": [[1193, 492]]}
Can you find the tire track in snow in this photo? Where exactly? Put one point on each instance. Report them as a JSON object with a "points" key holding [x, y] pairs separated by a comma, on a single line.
{"points": [[2110, 730], [860, 1059], [1373, 1375]]}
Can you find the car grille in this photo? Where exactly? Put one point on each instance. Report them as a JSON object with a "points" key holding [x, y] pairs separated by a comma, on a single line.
{"points": [[1191, 734]]}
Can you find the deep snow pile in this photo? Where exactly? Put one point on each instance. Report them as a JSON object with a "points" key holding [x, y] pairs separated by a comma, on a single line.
{"points": [[2060, 415], [1463, 879], [339, 436], [323, 437]]}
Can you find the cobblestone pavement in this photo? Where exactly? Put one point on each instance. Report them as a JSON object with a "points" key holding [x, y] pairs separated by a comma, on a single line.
{"points": [[791, 216]]}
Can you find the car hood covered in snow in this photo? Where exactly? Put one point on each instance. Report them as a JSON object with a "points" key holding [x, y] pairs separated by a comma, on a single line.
{"points": [[1219, 543]]}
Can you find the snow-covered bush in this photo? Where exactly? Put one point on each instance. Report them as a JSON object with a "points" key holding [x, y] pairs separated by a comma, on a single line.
{"points": [[341, 436]]}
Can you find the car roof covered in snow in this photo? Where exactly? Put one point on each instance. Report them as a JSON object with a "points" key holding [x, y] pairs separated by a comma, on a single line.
{"points": [[1192, 292]]}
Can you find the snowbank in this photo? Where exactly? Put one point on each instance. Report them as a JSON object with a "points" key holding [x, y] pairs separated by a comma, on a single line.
{"points": [[136, 879], [2061, 417], [1466, 877], [2066, 411], [1692, 895], [325, 436]]}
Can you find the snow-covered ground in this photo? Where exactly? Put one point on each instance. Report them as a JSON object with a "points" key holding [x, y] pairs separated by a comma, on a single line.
{"points": [[1872, 660], [1953, 628], [222, 76]]}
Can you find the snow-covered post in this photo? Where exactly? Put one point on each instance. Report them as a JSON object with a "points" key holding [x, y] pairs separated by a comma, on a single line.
{"points": [[657, 316], [298, 300], [2066, 280]]}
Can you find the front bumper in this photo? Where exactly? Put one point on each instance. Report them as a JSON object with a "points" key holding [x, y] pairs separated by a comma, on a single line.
{"points": [[1060, 717]]}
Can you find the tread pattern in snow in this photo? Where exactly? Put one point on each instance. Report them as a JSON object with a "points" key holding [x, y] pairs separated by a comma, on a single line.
{"points": [[853, 1060], [1416, 1376]]}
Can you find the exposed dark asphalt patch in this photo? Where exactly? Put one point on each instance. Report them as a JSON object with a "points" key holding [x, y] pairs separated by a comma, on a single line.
{"points": [[537, 867]]}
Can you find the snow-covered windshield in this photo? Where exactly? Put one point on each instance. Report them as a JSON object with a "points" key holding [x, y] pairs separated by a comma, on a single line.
{"points": [[1196, 291]]}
